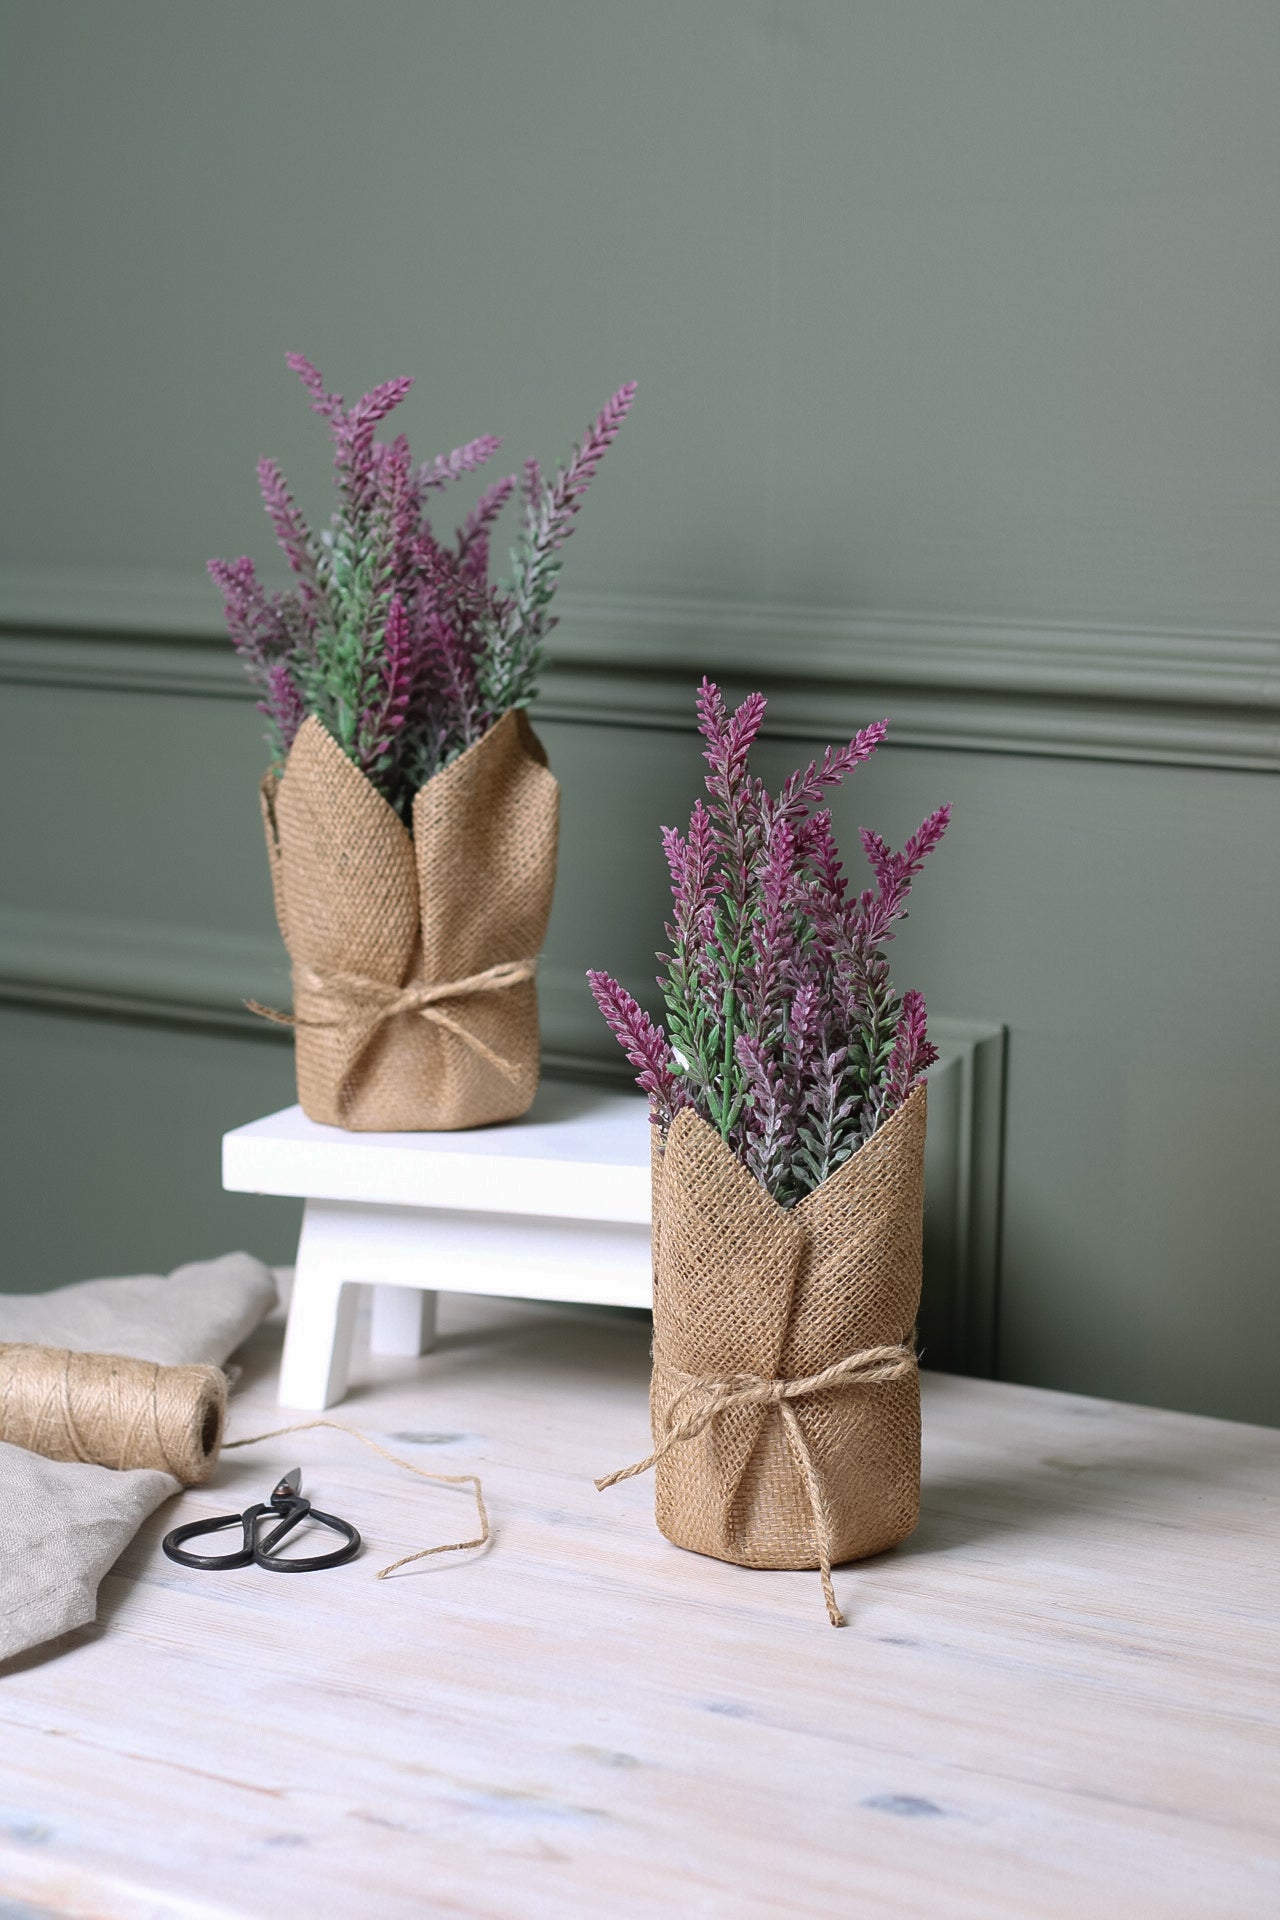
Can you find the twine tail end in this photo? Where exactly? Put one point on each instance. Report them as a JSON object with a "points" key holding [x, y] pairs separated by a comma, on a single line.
{"points": [[270, 1013], [425, 1553], [629, 1473]]}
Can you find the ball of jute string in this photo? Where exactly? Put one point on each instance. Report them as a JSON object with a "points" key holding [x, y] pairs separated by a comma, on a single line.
{"points": [[105, 1409]]}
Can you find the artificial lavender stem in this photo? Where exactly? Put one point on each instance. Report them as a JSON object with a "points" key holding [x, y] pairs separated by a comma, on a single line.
{"points": [[787, 1035], [403, 694]]}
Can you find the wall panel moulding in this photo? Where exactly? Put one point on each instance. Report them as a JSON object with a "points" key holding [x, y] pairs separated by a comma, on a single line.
{"points": [[1176, 697]]}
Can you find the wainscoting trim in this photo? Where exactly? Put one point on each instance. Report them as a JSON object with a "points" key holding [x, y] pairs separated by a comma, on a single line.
{"points": [[1188, 698]]}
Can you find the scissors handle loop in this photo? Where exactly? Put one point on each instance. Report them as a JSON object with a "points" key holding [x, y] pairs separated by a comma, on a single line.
{"points": [[286, 1506], [265, 1556], [242, 1557]]}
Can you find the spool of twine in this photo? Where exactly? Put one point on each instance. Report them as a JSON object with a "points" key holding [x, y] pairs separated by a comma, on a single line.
{"points": [[111, 1411]]}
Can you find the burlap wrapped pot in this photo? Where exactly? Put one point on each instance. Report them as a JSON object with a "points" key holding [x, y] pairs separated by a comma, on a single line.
{"points": [[413, 956], [785, 1397]]}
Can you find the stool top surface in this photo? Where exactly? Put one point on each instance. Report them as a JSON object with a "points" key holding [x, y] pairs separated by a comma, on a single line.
{"points": [[581, 1151]]}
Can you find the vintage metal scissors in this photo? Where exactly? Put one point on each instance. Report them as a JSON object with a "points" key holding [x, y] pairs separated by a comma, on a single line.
{"points": [[291, 1509]]}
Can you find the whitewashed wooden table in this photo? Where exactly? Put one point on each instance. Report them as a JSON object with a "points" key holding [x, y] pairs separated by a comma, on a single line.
{"points": [[1058, 1699]]}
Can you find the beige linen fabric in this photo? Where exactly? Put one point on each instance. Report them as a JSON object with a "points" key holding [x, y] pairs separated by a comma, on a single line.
{"points": [[366, 908], [743, 1286], [63, 1524]]}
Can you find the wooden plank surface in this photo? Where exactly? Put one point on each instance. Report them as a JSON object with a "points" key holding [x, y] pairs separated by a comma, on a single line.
{"points": [[1058, 1699]]}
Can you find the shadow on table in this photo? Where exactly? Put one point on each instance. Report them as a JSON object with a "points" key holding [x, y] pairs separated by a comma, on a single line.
{"points": [[48, 1650], [1041, 1489], [554, 1344], [1083, 1469]]}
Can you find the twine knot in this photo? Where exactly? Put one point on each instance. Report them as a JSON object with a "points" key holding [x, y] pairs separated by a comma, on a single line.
{"points": [[703, 1398], [357, 995]]}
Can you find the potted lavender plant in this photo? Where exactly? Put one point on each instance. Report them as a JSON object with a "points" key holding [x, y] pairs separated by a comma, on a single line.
{"points": [[411, 818], [788, 1109]]}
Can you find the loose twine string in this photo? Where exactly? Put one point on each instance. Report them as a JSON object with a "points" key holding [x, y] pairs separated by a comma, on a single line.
{"points": [[705, 1398], [471, 1480], [379, 1001], [107, 1410]]}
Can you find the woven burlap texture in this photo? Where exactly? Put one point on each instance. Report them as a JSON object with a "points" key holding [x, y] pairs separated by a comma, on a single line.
{"points": [[365, 908], [744, 1286]]}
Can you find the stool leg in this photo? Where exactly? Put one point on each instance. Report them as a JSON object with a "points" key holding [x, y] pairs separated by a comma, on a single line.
{"points": [[404, 1321], [317, 1341]]}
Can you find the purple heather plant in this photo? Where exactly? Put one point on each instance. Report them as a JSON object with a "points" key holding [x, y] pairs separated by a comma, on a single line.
{"points": [[394, 638], [785, 1032]]}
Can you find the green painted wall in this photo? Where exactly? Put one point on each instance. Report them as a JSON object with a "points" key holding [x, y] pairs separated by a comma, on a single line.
{"points": [[960, 400]]}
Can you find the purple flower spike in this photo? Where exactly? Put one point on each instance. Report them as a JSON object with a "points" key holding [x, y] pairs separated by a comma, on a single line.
{"points": [[397, 665], [912, 1054], [740, 824], [291, 529], [729, 737], [804, 790], [489, 506], [451, 466], [769, 1129], [353, 449], [644, 1044], [786, 1032], [327, 405], [382, 719], [284, 707], [395, 640], [895, 871], [473, 536], [259, 631], [924, 840], [572, 483], [549, 508]]}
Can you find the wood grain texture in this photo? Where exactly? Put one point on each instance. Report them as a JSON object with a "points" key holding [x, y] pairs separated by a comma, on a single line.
{"points": [[1058, 1698]]}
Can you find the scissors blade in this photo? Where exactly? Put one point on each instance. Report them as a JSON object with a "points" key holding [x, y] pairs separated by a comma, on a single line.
{"points": [[290, 1483]]}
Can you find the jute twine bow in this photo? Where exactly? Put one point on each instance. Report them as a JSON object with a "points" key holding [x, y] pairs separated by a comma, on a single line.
{"points": [[377, 1000], [704, 1399]]}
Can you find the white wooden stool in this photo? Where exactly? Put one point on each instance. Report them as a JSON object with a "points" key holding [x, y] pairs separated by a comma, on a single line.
{"points": [[551, 1207]]}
